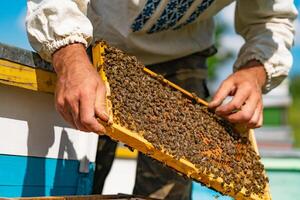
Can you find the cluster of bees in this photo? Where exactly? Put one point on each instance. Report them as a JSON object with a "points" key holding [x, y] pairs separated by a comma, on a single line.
{"points": [[181, 127]]}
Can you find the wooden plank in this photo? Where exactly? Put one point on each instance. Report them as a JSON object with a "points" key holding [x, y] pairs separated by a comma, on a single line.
{"points": [[26, 77], [173, 85], [24, 57], [90, 197]]}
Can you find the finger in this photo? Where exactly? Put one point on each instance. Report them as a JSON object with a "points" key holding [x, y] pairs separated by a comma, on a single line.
{"points": [[246, 112], [224, 90], [100, 104], [68, 117], [236, 103], [100, 108], [261, 120], [254, 121], [74, 111], [87, 112], [60, 107]]}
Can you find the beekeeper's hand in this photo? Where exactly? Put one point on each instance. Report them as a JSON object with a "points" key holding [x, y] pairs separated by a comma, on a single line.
{"points": [[80, 92], [246, 106]]}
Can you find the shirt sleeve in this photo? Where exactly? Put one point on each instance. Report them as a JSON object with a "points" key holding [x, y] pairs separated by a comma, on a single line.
{"points": [[268, 29], [52, 24]]}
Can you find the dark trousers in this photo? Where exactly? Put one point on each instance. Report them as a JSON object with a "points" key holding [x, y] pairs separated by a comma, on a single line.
{"points": [[152, 178]]}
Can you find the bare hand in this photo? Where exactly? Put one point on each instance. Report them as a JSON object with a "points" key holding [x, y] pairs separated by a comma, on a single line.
{"points": [[80, 92], [246, 105]]}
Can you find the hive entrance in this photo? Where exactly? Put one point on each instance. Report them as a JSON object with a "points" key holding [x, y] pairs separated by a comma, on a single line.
{"points": [[182, 128]]}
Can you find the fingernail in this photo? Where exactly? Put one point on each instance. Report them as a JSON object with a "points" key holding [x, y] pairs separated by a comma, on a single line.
{"points": [[217, 110], [211, 104], [104, 116], [102, 131]]}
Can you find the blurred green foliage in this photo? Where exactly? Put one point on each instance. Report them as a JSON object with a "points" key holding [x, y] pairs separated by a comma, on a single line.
{"points": [[294, 110], [223, 55]]}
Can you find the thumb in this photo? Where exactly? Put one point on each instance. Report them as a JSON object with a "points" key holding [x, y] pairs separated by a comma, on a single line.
{"points": [[100, 103]]}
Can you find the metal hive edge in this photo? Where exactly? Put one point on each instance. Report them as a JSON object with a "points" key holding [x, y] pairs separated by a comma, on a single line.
{"points": [[24, 57]]}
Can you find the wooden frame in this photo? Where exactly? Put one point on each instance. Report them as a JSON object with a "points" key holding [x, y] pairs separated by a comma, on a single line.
{"points": [[134, 140]]}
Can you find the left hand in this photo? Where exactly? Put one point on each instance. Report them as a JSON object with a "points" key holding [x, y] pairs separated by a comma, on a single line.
{"points": [[246, 106]]}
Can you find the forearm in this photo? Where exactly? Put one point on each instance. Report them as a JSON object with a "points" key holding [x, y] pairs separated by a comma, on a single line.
{"points": [[268, 30], [70, 56]]}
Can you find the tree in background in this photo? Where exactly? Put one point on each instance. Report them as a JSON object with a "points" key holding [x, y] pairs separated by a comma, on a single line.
{"points": [[294, 110]]}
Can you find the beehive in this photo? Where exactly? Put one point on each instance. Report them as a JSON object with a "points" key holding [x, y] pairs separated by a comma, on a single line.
{"points": [[169, 124]]}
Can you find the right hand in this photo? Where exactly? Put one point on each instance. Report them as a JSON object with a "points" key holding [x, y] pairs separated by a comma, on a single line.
{"points": [[80, 92]]}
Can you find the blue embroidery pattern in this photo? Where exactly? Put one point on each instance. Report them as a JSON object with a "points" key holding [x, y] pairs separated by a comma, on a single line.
{"points": [[145, 15], [173, 12], [202, 7]]}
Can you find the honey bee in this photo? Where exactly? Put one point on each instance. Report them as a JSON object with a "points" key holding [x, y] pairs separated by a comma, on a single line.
{"points": [[181, 127]]}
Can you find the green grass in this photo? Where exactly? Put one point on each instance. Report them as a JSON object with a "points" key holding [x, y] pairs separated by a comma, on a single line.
{"points": [[294, 110]]}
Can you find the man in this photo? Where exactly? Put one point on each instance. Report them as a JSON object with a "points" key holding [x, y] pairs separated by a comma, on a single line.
{"points": [[172, 37]]}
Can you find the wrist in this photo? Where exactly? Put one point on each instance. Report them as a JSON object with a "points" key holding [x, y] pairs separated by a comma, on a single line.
{"points": [[70, 56], [256, 69]]}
